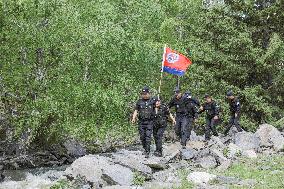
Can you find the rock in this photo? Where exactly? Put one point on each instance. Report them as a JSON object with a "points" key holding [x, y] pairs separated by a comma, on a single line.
{"points": [[179, 164], [248, 182], [121, 187], [207, 162], [249, 154], [187, 154], [159, 185], [156, 164], [218, 155], [196, 145], [270, 137], [133, 164], [195, 137], [74, 148], [117, 175], [169, 176], [247, 141], [89, 167], [227, 180], [224, 165], [201, 178], [202, 153], [233, 151], [216, 143], [171, 151]]}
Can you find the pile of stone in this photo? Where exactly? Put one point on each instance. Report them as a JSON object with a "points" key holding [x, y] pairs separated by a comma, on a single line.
{"points": [[125, 168]]}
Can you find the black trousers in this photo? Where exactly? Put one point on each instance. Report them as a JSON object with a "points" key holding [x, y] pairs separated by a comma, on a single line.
{"points": [[183, 128], [158, 133], [210, 126], [145, 131], [233, 121]]}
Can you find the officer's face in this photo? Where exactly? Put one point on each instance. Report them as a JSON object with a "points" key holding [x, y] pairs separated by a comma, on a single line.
{"points": [[178, 95], [231, 97], [158, 103], [146, 95], [208, 99]]}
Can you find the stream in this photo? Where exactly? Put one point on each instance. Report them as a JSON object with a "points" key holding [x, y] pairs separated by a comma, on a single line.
{"points": [[38, 178]]}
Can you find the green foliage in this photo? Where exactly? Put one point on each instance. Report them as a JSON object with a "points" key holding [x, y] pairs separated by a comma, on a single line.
{"points": [[75, 67], [138, 179], [61, 184], [185, 184]]}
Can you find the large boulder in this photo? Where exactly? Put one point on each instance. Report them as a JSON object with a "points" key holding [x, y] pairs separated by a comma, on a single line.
{"points": [[247, 141], [89, 167], [249, 154], [270, 137], [133, 164], [74, 148], [99, 170], [117, 175], [200, 178]]}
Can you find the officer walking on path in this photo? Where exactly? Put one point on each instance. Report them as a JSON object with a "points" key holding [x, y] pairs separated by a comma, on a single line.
{"points": [[235, 108], [161, 115], [186, 113], [144, 110], [212, 116]]}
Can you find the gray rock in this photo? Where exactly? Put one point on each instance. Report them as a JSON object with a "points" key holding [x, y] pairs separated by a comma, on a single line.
{"points": [[207, 162], [196, 145], [248, 182], [224, 165], [167, 176], [133, 164], [188, 153], [74, 148], [88, 167], [160, 185], [249, 154], [122, 187], [227, 180], [202, 153], [218, 155], [216, 143], [195, 137], [270, 136], [233, 151], [201, 178], [247, 141], [117, 175]]}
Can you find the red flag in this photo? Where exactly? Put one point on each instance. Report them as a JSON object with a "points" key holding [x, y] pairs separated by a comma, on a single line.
{"points": [[175, 63]]}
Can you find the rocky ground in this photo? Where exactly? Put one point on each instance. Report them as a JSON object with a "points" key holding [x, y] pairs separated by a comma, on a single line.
{"points": [[201, 165], [213, 164]]}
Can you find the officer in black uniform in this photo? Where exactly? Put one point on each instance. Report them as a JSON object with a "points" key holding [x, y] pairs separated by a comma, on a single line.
{"points": [[145, 111], [161, 115], [235, 108], [186, 113], [212, 116]]}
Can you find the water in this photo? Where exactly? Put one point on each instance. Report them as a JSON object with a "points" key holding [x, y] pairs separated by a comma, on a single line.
{"points": [[39, 178]]}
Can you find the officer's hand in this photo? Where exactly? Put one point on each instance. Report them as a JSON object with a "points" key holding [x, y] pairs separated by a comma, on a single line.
{"points": [[133, 121], [236, 115], [216, 117], [201, 108], [174, 122]]}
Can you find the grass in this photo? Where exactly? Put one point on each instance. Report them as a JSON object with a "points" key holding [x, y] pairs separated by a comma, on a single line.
{"points": [[267, 171]]}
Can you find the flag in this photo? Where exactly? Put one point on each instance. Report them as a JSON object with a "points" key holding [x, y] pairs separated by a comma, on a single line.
{"points": [[174, 62]]}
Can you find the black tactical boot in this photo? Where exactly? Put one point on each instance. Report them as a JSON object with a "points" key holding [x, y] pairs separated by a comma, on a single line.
{"points": [[158, 153]]}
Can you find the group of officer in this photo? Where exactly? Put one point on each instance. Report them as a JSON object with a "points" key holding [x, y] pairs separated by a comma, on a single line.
{"points": [[153, 116]]}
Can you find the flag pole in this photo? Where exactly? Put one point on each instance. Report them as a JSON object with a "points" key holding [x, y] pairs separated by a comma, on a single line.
{"points": [[162, 71]]}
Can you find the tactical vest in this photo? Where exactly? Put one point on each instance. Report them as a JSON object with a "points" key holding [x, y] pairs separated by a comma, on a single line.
{"points": [[161, 116], [181, 107], [211, 109], [146, 110]]}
